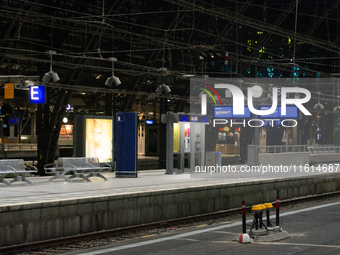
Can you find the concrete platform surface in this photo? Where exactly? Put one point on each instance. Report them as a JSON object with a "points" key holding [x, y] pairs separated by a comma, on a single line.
{"points": [[56, 209], [147, 181]]}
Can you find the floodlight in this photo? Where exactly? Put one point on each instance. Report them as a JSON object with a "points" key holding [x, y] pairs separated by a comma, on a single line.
{"points": [[46, 78], [109, 81], [162, 88], [112, 79], [50, 74], [318, 106], [55, 76], [167, 90], [116, 80], [159, 90]]}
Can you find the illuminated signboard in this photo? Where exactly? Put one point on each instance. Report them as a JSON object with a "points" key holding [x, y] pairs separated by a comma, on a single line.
{"points": [[9, 91], [291, 112], [99, 139], [273, 115], [225, 129], [224, 112], [66, 132], [14, 120], [183, 118], [37, 95], [193, 118]]}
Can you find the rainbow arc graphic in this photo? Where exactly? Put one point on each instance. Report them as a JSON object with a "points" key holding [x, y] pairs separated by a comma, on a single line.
{"points": [[210, 94]]}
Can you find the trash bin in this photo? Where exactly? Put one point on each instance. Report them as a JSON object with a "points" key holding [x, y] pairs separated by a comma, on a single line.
{"points": [[213, 158]]}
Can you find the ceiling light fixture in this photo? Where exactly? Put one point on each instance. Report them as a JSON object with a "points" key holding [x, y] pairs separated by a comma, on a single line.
{"points": [[50, 74], [162, 88], [318, 106], [112, 79]]}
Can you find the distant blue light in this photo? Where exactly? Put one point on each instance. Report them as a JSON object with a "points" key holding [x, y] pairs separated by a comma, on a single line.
{"points": [[184, 119], [205, 119], [270, 72], [149, 122]]}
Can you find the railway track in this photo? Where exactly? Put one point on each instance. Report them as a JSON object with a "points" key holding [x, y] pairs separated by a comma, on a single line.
{"points": [[59, 245]]}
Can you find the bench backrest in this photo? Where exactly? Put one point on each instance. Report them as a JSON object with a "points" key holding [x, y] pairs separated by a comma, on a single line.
{"points": [[77, 163], [11, 165]]}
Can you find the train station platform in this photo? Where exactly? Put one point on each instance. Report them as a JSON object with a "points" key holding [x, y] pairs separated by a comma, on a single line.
{"points": [[54, 209]]}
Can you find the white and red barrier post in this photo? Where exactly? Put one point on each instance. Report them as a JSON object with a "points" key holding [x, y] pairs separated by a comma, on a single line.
{"points": [[244, 237], [277, 211]]}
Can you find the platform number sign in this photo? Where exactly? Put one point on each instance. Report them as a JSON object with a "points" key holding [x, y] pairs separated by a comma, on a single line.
{"points": [[37, 95]]}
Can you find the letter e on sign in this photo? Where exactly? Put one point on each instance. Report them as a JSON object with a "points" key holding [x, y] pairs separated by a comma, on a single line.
{"points": [[37, 94]]}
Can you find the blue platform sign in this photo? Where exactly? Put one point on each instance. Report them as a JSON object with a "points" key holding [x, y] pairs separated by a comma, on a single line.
{"points": [[226, 112], [292, 112], [37, 95], [126, 144], [275, 114]]}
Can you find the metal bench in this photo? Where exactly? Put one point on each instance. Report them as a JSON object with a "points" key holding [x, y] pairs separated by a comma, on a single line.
{"points": [[77, 167], [17, 168]]}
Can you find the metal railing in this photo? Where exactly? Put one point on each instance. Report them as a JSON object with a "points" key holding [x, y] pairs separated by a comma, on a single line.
{"points": [[282, 148], [320, 149], [19, 147], [324, 149]]}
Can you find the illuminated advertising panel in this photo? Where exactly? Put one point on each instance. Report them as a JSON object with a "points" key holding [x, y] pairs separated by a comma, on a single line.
{"points": [[66, 132], [99, 139]]}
